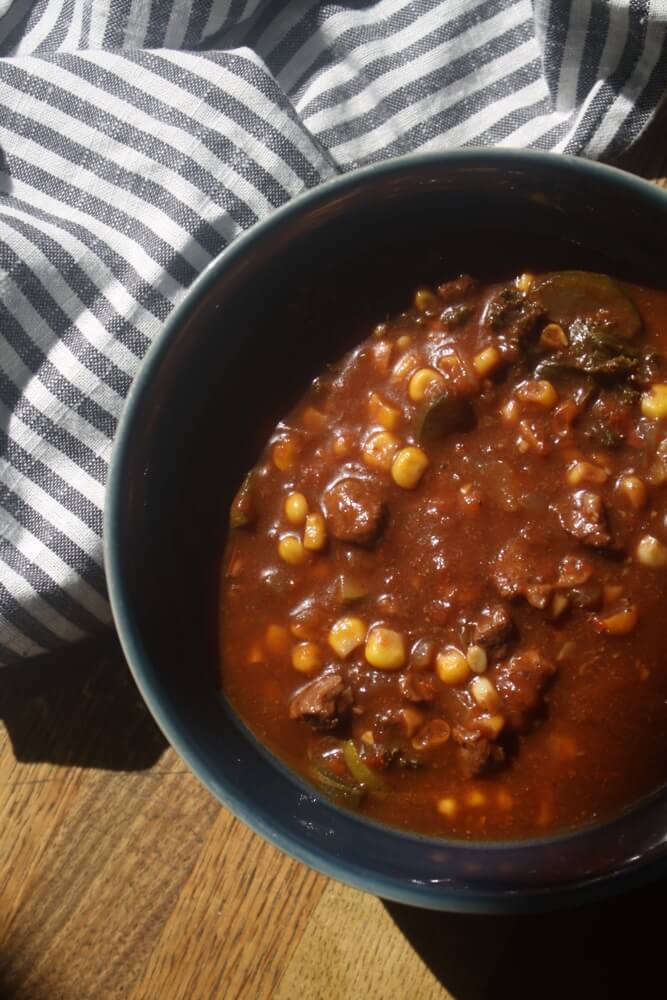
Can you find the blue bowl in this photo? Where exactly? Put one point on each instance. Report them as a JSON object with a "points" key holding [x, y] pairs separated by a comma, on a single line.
{"points": [[250, 332]]}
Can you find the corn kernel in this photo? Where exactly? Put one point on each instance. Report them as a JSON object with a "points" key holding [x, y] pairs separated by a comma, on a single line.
{"points": [[368, 738], [314, 420], [559, 605], [525, 282], [381, 355], [426, 301], [452, 667], [612, 592], [341, 446], [296, 508], [403, 341], [403, 367], [412, 719], [633, 490], [450, 365], [553, 336], [315, 532], [408, 467], [382, 413], [652, 553], [447, 807], [385, 649], [475, 798], [277, 639], [566, 651], [620, 623], [528, 440], [346, 635], [306, 657], [654, 402], [380, 449], [235, 567], [477, 659], [291, 550], [350, 588], [492, 725], [484, 692], [424, 382], [284, 454], [510, 412], [586, 472], [540, 392], [487, 361]]}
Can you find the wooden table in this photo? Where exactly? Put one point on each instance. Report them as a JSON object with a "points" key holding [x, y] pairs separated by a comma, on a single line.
{"points": [[120, 876]]}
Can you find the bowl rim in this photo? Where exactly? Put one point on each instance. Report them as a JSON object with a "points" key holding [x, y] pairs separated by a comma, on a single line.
{"points": [[415, 893]]}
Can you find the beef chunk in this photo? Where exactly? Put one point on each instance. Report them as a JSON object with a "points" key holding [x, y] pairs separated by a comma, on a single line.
{"points": [[514, 314], [597, 352], [521, 682], [574, 571], [323, 702], [509, 573], [454, 316], [477, 753], [417, 687], [525, 569], [538, 594], [588, 595], [607, 421], [493, 628], [354, 510], [583, 516], [458, 290]]}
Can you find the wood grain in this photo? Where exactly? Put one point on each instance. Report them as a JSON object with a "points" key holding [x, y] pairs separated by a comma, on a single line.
{"points": [[349, 925], [251, 905], [120, 877]]}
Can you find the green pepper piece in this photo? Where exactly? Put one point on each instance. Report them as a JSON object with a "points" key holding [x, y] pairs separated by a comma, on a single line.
{"points": [[571, 295], [361, 772], [242, 513], [350, 589], [443, 416], [593, 352], [336, 788]]}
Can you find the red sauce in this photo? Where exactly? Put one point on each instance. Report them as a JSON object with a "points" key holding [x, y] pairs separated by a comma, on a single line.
{"points": [[442, 594]]}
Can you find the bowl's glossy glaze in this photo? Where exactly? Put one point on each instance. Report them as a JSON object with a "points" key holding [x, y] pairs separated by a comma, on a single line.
{"points": [[249, 333]]}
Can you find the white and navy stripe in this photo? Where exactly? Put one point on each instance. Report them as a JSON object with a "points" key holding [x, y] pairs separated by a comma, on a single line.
{"points": [[139, 137]]}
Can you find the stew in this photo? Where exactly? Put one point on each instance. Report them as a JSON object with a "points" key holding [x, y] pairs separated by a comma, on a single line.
{"points": [[444, 580]]}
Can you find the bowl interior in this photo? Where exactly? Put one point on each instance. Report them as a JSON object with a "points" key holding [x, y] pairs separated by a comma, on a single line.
{"points": [[281, 303]]}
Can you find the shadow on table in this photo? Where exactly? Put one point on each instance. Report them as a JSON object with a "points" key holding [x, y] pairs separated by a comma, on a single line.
{"points": [[607, 950], [6, 990], [79, 707]]}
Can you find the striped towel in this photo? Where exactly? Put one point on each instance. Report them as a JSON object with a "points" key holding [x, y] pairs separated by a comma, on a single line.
{"points": [[138, 137]]}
